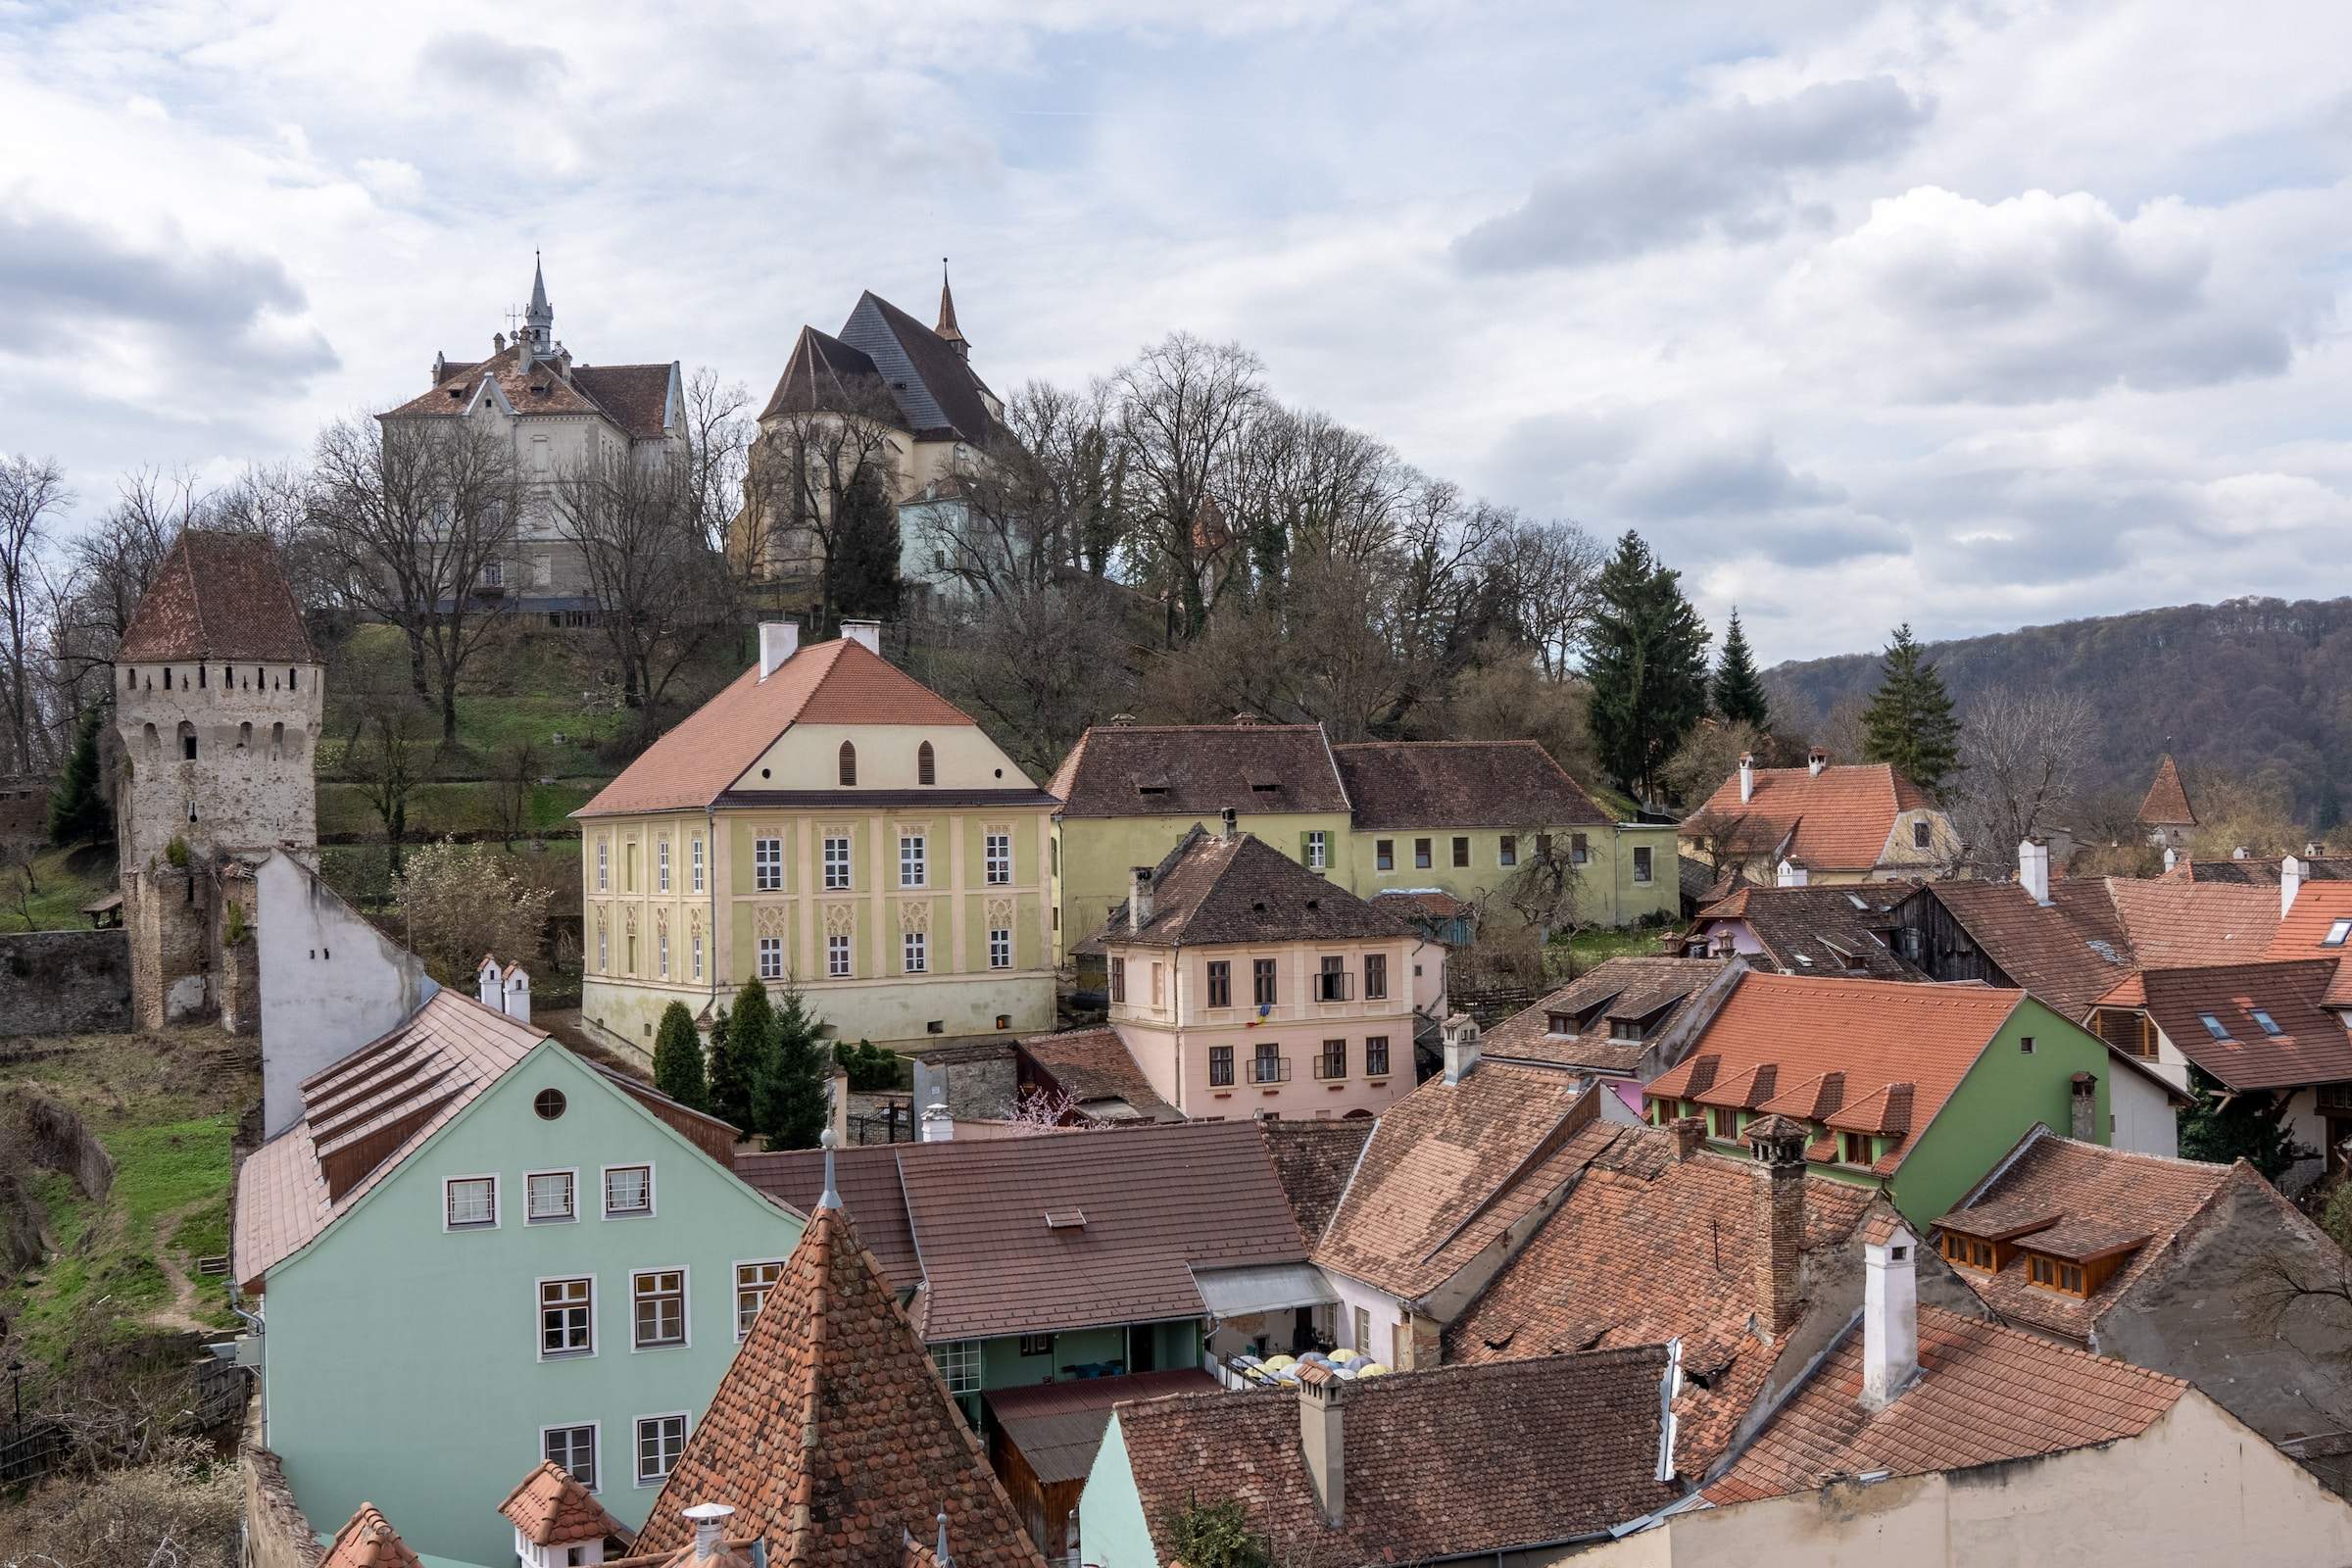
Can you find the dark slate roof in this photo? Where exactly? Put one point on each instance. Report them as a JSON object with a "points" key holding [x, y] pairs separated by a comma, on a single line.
{"points": [[1628, 989], [1197, 771], [1212, 889], [1314, 1159], [1409, 784], [1059, 1426], [825, 376], [936, 390], [218, 596], [2312, 1045], [1822, 929]]}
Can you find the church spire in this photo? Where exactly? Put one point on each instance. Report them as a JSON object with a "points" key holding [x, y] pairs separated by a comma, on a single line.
{"points": [[947, 327], [539, 321]]}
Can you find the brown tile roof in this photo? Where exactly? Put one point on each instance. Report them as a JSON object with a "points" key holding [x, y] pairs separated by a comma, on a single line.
{"points": [[2068, 953], [2175, 924], [1197, 771], [1314, 1159], [550, 1508], [1820, 929], [1153, 1202], [1094, 1067], [1645, 1248], [832, 1436], [1450, 1167], [1987, 1393], [1211, 890], [825, 376], [634, 396], [2312, 1045], [1880, 1034], [362, 1116], [840, 682], [218, 596], [2167, 803], [2258, 871], [1841, 818], [2303, 930], [1059, 1426], [1625, 989], [369, 1540], [1449, 1462], [1410, 784], [1420, 903]]}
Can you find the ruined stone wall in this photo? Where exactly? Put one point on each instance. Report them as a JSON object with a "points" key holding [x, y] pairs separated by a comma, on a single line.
{"points": [[65, 982], [235, 953], [167, 914]]}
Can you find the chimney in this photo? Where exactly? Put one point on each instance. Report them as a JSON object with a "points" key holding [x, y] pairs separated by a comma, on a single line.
{"points": [[1138, 899], [1689, 1135], [1747, 777], [1816, 759], [1228, 825], [2290, 883], [779, 640], [710, 1523], [1890, 1315], [866, 634], [515, 1003], [2084, 1126], [489, 984], [1321, 1437], [2034, 869], [938, 1126], [1790, 875], [2171, 860], [1778, 1144], [1461, 1046]]}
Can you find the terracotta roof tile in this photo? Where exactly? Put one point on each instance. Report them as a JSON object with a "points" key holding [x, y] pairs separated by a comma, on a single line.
{"points": [[1210, 890], [369, 1540], [2262, 871], [1838, 820], [1197, 771], [2311, 1047], [1492, 784], [1654, 990], [550, 1508], [218, 596], [1095, 1067], [635, 397], [2304, 929], [2175, 924], [1314, 1159], [2166, 802], [2068, 952]]}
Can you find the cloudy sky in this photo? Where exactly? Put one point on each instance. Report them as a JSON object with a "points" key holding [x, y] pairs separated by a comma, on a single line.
{"points": [[1975, 315]]}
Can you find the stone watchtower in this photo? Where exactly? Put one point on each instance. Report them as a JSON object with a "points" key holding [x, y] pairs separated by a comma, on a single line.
{"points": [[218, 704]]}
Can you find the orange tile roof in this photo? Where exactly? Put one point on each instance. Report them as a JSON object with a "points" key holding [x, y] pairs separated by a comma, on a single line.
{"points": [[2303, 930], [2177, 926], [550, 1508], [2311, 1047], [634, 396], [2167, 803], [1987, 1393], [840, 682], [369, 1540], [1647, 1247], [1879, 1033], [832, 1436], [1840, 818], [218, 596]]}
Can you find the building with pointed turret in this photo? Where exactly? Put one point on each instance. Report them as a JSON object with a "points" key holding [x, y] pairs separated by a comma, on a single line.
{"points": [[2166, 812]]}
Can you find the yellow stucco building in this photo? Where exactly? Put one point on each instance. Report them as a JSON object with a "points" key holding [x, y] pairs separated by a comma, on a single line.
{"points": [[825, 820]]}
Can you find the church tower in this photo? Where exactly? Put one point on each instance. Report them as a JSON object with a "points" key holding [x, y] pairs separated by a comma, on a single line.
{"points": [[947, 328], [538, 334]]}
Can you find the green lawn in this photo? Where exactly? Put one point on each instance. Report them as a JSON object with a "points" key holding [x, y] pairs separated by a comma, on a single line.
{"points": [[65, 879], [1586, 949]]}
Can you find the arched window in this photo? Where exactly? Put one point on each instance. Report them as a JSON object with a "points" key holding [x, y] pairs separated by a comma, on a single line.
{"points": [[155, 745], [849, 763], [926, 769], [130, 679], [187, 741], [244, 735], [278, 741]]}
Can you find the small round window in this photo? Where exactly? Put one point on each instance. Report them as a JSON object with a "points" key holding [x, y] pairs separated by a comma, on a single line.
{"points": [[549, 1104]]}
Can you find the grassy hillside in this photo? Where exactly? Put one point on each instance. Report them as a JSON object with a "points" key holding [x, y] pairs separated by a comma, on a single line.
{"points": [[63, 881]]}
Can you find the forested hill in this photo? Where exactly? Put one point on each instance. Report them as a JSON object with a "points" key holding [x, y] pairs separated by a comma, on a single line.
{"points": [[2251, 687]]}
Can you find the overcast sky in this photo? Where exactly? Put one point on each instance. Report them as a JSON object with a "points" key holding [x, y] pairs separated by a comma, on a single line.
{"points": [[1975, 315]]}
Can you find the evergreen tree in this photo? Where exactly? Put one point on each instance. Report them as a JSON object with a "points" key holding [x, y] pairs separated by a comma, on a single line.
{"points": [[678, 1058], [1909, 722], [1738, 691], [1648, 665], [738, 1040], [77, 809], [789, 1098], [861, 566], [2249, 1127]]}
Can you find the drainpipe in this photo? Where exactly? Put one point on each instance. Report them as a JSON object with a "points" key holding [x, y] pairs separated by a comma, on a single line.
{"points": [[711, 889]]}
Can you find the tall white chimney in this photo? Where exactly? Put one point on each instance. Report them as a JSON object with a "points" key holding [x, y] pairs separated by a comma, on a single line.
{"points": [[709, 1522], [866, 634], [1816, 759], [1228, 823], [1460, 1033], [1890, 1312], [938, 1126], [1747, 777], [1790, 875], [779, 640], [2171, 858], [489, 984], [1138, 899], [516, 995], [1322, 1432], [2034, 868], [2290, 883]]}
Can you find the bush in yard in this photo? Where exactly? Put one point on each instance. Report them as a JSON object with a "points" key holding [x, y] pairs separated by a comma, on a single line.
{"points": [[871, 1070], [459, 901], [678, 1058]]}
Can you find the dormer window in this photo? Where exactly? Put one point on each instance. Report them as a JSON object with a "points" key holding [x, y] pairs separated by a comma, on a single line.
{"points": [[1970, 1251], [1559, 1024], [1625, 1029], [2055, 1274], [1854, 1149]]}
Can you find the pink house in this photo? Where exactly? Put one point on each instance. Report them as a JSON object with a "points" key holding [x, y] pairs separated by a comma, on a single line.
{"points": [[1244, 984]]}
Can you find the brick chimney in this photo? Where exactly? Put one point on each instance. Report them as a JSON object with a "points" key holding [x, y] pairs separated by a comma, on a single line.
{"points": [[2084, 1125], [1747, 777], [1889, 1311], [1689, 1135], [1138, 899], [779, 640], [1321, 1433], [2034, 869], [1816, 759], [1778, 1147]]}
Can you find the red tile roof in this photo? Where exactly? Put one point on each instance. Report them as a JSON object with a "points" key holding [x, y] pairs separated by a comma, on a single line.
{"points": [[840, 682], [1987, 1395], [1211, 890], [1838, 819], [2312, 1045], [1197, 771], [1398, 785], [832, 1436], [634, 396], [1314, 1159], [1645, 1248], [1095, 1067], [1455, 1461], [2166, 802], [218, 596], [2175, 924], [550, 1508], [369, 1540], [2303, 930], [1824, 928], [2068, 952], [1621, 988]]}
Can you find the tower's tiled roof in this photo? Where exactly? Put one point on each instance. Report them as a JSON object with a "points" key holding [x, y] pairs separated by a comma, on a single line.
{"points": [[2167, 803], [552, 1508], [218, 596]]}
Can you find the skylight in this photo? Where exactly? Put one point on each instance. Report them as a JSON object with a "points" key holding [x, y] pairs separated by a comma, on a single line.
{"points": [[2213, 1026], [2336, 933], [2269, 1025], [1855, 899]]}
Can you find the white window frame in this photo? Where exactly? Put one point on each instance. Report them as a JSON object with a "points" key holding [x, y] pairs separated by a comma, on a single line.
{"points": [[767, 948], [596, 1450], [915, 856], [685, 1421], [571, 1212], [604, 863], [662, 952], [498, 1215], [695, 856], [768, 864], [840, 956], [695, 942], [539, 1317], [1318, 850], [742, 1323], [997, 858], [959, 1359], [1000, 946], [662, 863], [604, 1189], [914, 953], [685, 1338], [838, 866]]}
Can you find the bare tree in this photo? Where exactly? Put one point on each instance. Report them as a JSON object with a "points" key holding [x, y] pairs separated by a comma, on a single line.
{"points": [[381, 755], [408, 516], [1549, 575], [1040, 665], [2027, 753], [511, 792], [1183, 405], [30, 494]]}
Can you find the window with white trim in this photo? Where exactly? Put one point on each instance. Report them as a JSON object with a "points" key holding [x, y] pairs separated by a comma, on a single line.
{"points": [[604, 864], [602, 951], [767, 865], [772, 958], [662, 953], [694, 858], [837, 956], [1318, 850], [837, 862], [661, 1439], [662, 864], [960, 1363], [917, 952], [471, 1203], [998, 857], [549, 1194], [628, 1191], [574, 1448], [911, 869], [999, 948], [658, 1299], [752, 1283], [566, 1318], [694, 945]]}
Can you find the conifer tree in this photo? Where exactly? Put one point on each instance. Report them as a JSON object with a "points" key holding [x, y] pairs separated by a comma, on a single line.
{"points": [[1647, 665], [739, 1046], [1909, 722], [861, 566], [788, 1095], [678, 1058], [77, 809], [1738, 691]]}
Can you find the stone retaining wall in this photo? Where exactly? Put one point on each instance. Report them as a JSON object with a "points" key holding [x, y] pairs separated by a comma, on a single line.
{"points": [[65, 982]]}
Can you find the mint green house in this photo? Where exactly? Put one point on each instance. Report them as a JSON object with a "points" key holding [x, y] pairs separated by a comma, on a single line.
{"points": [[477, 1250]]}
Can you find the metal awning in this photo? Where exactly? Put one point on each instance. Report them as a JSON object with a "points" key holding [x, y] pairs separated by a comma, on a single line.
{"points": [[1254, 1288]]}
